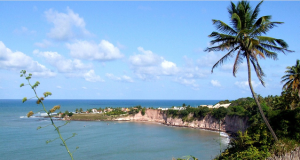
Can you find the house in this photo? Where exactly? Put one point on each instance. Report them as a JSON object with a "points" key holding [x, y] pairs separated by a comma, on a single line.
{"points": [[94, 110], [179, 108], [210, 106], [99, 111], [163, 109], [125, 109], [108, 110], [221, 105]]}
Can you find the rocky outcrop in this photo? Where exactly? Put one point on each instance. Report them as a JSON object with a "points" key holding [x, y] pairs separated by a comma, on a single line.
{"points": [[293, 155], [151, 115], [229, 124]]}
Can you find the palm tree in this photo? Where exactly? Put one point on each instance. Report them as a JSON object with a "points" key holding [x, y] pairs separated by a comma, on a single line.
{"points": [[245, 38], [292, 78]]}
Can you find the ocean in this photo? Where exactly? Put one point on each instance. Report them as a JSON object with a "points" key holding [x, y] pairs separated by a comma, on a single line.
{"points": [[99, 140]]}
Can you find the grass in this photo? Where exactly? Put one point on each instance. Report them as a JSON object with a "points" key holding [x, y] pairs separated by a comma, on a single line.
{"points": [[90, 117]]}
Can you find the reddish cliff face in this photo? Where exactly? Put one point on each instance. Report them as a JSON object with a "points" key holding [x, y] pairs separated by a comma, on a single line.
{"points": [[229, 124]]}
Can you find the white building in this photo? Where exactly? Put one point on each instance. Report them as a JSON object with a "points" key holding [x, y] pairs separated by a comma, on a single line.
{"points": [[163, 109], [94, 110], [221, 105]]}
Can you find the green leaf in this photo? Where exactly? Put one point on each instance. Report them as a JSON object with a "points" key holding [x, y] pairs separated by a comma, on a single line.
{"points": [[46, 94], [22, 85], [24, 99]]}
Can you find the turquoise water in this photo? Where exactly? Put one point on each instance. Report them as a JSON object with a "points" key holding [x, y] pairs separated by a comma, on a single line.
{"points": [[20, 138]]}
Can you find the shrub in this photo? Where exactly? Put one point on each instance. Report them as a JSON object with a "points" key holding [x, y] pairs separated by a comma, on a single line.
{"points": [[219, 113], [143, 111]]}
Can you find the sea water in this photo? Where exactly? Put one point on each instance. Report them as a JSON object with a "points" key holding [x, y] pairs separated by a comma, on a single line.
{"points": [[20, 139]]}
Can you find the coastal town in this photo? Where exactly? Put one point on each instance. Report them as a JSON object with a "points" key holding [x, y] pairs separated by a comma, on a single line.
{"points": [[106, 110]]}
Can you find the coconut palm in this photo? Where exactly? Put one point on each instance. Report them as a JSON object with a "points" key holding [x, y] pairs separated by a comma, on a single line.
{"points": [[245, 38], [292, 78]]}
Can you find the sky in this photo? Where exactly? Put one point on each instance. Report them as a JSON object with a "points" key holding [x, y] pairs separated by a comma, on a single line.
{"points": [[132, 50]]}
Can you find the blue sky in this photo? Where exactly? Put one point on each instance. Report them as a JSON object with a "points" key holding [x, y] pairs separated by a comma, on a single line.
{"points": [[131, 50]]}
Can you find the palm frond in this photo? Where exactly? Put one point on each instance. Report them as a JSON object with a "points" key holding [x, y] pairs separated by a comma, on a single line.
{"points": [[282, 43], [263, 28], [237, 20], [221, 47], [261, 55], [275, 48], [223, 27], [259, 72], [268, 40], [218, 35], [224, 58], [238, 60], [232, 9], [221, 38], [255, 12], [269, 54]]}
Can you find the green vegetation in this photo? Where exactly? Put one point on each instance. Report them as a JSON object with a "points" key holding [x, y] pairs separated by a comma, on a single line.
{"points": [[90, 117], [135, 110], [219, 113], [143, 111], [40, 101], [257, 142], [292, 78], [190, 113], [245, 37], [116, 112]]}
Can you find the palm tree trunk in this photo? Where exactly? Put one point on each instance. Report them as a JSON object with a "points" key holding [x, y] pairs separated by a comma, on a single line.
{"points": [[256, 100]]}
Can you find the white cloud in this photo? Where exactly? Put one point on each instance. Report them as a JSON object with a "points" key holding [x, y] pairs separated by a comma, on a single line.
{"points": [[24, 31], [148, 65], [59, 87], [215, 83], [66, 25], [19, 61], [229, 67], [83, 87], [70, 68], [188, 82], [123, 78], [92, 77], [245, 84], [91, 51], [209, 59], [43, 44], [194, 72], [168, 67], [62, 64], [147, 58], [121, 46]]}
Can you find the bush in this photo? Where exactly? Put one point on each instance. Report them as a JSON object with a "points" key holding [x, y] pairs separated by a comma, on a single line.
{"points": [[143, 111], [70, 114], [236, 110], [184, 113], [173, 113], [219, 113]]}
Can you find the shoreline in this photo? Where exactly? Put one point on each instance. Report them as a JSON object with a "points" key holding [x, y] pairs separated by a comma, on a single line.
{"points": [[228, 134]]}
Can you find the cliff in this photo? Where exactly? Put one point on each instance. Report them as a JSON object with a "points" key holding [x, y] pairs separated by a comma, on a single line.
{"points": [[229, 124], [293, 155]]}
